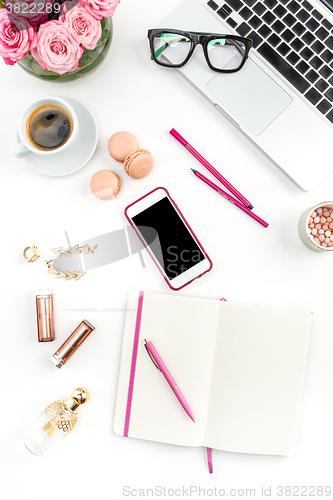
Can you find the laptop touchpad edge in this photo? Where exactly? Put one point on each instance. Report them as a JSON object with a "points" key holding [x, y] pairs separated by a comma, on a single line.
{"points": [[253, 98]]}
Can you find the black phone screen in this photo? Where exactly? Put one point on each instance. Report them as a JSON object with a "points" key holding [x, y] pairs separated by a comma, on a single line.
{"points": [[173, 246]]}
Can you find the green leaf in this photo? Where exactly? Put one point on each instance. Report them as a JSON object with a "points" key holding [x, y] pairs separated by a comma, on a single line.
{"points": [[45, 74]]}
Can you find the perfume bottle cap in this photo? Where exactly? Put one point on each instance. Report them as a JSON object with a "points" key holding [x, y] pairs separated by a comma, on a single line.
{"points": [[78, 398]]}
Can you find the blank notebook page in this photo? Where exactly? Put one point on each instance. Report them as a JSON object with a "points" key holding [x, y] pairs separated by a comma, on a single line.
{"points": [[183, 332], [257, 379]]}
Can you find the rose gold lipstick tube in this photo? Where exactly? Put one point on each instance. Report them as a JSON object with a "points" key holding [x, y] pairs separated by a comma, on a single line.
{"points": [[45, 318], [67, 349]]}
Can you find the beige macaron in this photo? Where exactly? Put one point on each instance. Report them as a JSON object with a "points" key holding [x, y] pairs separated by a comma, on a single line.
{"points": [[138, 163], [120, 144], [105, 184]]}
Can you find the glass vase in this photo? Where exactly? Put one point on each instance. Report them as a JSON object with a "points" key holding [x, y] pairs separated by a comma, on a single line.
{"points": [[89, 62]]}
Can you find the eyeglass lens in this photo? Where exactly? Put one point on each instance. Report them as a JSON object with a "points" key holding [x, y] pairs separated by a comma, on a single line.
{"points": [[223, 53], [171, 48]]}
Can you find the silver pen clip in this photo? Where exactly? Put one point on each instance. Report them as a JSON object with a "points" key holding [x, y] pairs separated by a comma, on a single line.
{"points": [[151, 357]]}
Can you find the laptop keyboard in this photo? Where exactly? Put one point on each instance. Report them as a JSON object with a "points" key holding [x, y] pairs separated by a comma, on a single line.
{"points": [[293, 37]]}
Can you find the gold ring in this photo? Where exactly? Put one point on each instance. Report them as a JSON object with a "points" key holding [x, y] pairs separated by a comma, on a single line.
{"points": [[33, 257]]}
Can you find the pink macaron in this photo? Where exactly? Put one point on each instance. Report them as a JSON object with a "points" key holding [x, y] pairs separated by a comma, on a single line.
{"points": [[120, 144], [105, 185], [138, 163]]}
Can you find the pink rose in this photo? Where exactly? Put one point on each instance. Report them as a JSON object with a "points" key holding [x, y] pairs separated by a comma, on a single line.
{"points": [[100, 8], [87, 29], [17, 37], [57, 48], [35, 11]]}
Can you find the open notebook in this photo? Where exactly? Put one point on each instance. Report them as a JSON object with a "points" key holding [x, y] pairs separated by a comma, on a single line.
{"points": [[239, 366]]}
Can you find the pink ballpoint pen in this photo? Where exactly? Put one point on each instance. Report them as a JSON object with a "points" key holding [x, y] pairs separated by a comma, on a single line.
{"points": [[210, 168], [153, 354], [230, 198]]}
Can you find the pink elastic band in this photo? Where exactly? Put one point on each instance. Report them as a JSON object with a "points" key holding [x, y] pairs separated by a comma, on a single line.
{"points": [[209, 460], [133, 365]]}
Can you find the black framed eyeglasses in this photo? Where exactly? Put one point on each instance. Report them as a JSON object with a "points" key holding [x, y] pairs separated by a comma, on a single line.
{"points": [[223, 53]]}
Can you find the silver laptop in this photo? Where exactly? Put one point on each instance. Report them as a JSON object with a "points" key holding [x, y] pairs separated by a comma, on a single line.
{"points": [[282, 98]]}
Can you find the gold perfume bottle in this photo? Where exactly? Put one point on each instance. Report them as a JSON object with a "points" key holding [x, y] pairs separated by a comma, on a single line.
{"points": [[53, 424]]}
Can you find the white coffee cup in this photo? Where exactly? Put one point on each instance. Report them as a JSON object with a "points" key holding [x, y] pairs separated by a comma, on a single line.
{"points": [[25, 147]]}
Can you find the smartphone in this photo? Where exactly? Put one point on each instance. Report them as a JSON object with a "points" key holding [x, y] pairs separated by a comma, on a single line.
{"points": [[168, 238]]}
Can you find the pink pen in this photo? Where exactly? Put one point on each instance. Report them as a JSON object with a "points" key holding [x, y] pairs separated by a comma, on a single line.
{"points": [[154, 356], [210, 168], [230, 198]]}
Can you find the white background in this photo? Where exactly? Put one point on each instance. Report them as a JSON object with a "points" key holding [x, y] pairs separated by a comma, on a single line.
{"points": [[252, 264]]}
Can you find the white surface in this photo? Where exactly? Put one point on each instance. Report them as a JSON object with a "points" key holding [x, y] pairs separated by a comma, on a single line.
{"points": [[251, 264]]}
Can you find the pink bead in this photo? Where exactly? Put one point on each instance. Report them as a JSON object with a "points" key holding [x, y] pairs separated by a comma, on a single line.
{"points": [[330, 225], [318, 226], [325, 227], [310, 220], [321, 237], [318, 242], [324, 244], [322, 219], [311, 226], [326, 213], [314, 214], [329, 219], [314, 231], [330, 244], [316, 220]]}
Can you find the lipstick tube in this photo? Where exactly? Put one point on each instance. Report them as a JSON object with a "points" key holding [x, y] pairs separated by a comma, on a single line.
{"points": [[72, 343], [45, 317]]}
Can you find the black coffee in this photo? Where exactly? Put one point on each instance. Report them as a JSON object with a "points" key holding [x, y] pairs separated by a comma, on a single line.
{"points": [[49, 127]]}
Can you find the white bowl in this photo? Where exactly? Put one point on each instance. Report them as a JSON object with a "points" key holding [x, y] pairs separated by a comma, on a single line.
{"points": [[304, 230]]}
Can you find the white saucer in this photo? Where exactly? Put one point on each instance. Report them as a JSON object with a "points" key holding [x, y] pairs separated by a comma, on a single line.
{"points": [[78, 154]]}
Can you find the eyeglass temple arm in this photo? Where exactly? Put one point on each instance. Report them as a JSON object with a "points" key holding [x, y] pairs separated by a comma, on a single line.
{"points": [[237, 44]]}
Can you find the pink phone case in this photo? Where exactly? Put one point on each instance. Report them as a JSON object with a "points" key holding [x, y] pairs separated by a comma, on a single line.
{"points": [[188, 227]]}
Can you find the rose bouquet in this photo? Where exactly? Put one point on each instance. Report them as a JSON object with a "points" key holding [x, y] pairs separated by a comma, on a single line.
{"points": [[50, 38]]}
